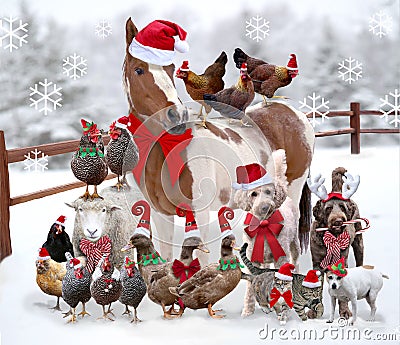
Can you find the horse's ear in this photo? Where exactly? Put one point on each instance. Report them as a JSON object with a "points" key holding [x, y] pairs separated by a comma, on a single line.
{"points": [[131, 31]]}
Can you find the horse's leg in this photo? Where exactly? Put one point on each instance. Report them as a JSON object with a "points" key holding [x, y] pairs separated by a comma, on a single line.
{"points": [[202, 220], [165, 234]]}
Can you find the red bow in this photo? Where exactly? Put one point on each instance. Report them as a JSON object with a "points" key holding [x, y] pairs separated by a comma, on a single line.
{"points": [[275, 295], [94, 251], [268, 229], [171, 145], [333, 246], [180, 269], [78, 273]]}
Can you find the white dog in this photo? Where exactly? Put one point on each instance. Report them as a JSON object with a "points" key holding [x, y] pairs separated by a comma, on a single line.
{"points": [[358, 283]]}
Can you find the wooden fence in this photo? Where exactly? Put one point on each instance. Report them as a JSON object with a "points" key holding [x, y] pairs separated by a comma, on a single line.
{"points": [[18, 155]]}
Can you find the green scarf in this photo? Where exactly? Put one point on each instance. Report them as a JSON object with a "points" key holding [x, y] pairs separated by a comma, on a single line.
{"points": [[154, 258], [232, 263], [83, 152]]}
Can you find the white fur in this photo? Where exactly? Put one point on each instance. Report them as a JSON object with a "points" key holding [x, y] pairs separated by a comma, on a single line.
{"points": [[164, 82]]}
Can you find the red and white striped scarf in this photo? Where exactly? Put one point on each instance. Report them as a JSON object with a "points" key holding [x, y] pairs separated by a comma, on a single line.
{"points": [[94, 251], [333, 246]]}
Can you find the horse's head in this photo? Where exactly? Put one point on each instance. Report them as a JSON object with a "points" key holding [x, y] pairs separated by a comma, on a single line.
{"points": [[150, 89]]}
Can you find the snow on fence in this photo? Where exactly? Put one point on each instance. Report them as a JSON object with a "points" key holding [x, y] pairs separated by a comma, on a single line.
{"points": [[18, 155]]}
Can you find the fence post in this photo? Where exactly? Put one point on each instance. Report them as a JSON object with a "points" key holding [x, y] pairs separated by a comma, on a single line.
{"points": [[5, 239], [355, 124]]}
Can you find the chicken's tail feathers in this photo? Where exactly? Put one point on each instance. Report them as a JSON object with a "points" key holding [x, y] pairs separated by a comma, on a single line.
{"points": [[239, 56], [222, 59]]}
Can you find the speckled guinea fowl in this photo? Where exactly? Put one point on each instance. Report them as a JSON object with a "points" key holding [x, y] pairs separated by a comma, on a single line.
{"points": [[76, 286], [133, 288], [88, 164], [122, 154], [106, 286]]}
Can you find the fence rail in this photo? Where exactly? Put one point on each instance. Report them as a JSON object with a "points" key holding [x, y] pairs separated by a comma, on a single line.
{"points": [[18, 155]]}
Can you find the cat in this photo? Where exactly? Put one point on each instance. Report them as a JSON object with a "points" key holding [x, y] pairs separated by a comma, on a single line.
{"points": [[262, 280]]}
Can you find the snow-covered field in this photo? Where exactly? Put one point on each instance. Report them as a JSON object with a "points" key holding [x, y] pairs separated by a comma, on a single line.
{"points": [[26, 319]]}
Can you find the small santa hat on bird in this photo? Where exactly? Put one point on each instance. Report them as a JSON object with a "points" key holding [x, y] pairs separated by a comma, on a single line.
{"points": [[191, 230], [156, 44], [251, 176], [243, 68], [185, 66], [292, 63], [122, 122], [285, 272], [311, 280], [43, 254], [225, 213], [61, 220], [76, 263], [141, 207]]}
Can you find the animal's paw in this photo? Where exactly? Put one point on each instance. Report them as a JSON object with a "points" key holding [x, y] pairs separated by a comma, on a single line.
{"points": [[266, 310], [351, 321], [311, 314], [346, 313], [329, 321], [283, 322], [247, 312], [371, 319]]}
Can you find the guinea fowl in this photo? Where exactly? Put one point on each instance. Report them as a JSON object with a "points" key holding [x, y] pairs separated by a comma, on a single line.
{"points": [[58, 242], [88, 163], [133, 288], [209, 82], [122, 154], [106, 286], [76, 286], [173, 273], [267, 78], [232, 102], [148, 259], [214, 281]]}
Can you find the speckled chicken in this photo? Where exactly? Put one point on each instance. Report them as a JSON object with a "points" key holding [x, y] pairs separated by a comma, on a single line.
{"points": [[267, 78], [173, 273], [88, 164], [209, 82], [49, 275], [58, 242], [232, 102], [76, 286], [214, 281], [133, 288], [106, 286], [122, 154]]}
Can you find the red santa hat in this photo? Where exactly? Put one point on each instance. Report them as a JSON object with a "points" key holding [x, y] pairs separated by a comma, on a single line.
{"points": [[243, 68], [141, 207], [285, 272], [185, 66], [225, 213], [61, 220], [76, 263], [156, 44], [191, 230], [311, 280], [251, 176], [43, 254], [122, 122], [292, 63]]}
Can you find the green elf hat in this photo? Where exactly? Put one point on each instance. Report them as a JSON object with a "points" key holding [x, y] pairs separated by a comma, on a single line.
{"points": [[86, 125], [339, 268]]}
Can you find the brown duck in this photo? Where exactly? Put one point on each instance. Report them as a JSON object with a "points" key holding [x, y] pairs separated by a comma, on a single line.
{"points": [[173, 273], [214, 281]]}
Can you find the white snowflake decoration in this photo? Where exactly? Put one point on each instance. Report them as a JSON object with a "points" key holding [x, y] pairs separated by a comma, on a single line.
{"points": [[392, 107], [103, 29], [316, 108], [257, 28], [350, 70], [380, 24], [75, 66], [13, 32], [47, 98], [36, 160]]}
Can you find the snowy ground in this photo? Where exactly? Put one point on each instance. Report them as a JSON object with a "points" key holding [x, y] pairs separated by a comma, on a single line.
{"points": [[24, 314]]}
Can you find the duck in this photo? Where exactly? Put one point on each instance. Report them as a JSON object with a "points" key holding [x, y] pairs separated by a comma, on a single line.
{"points": [[174, 273], [215, 281]]}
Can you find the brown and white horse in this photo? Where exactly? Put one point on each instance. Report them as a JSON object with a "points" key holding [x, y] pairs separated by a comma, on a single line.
{"points": [[214, 153]]}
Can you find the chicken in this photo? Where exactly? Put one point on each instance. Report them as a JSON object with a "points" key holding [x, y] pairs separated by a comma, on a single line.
{"points": [[133, 288], [49, 275], [58, 242], [88, 163], [267, 78], [232, 102], [106, 286], [209, 82], [76, 286], [122, 153]]}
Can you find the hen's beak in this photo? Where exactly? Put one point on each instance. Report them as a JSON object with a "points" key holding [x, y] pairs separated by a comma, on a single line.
{"points": [[127, 247], [203, 248], [233, 245]]}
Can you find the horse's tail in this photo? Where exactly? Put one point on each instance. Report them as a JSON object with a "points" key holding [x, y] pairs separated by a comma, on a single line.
{"points": [[253, 269], [305, 218]]}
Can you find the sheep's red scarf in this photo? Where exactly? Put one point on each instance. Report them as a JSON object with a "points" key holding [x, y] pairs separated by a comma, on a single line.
{"points": [[333, 246], [275, 295], [185, 272], [171, 145], [94, 251], [269, 229]]}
